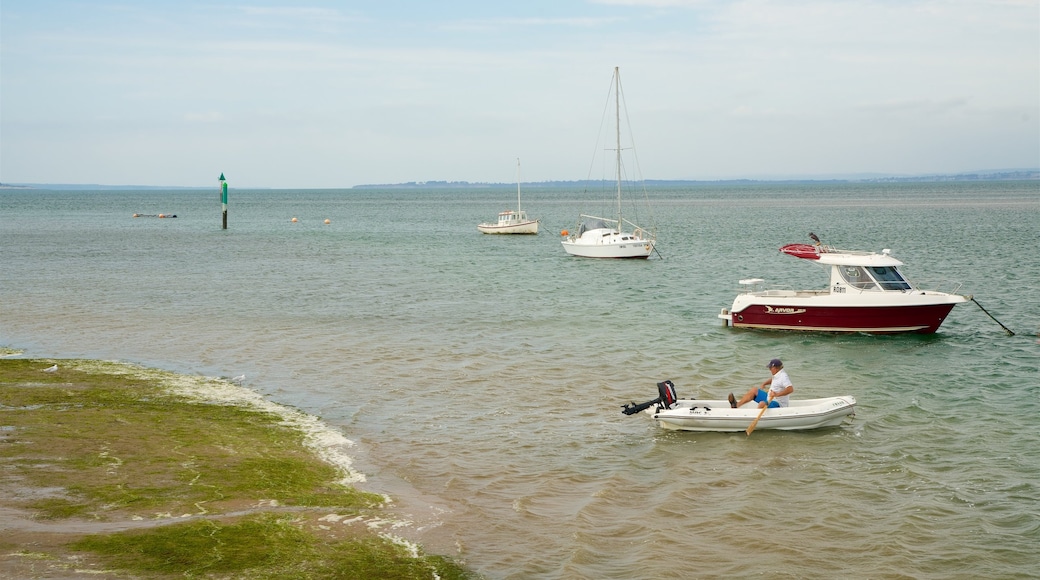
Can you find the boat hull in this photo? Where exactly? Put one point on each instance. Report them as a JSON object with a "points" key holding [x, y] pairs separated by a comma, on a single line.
{"points": [[718, 416], [608, 244], [898, 319], [530, 227], [867, 293]]}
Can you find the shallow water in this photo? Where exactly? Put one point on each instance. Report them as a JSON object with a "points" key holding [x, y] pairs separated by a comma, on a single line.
{"points": [[482, 377]]}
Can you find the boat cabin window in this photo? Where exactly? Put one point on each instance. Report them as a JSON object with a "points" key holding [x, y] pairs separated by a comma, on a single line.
{"points": [[889, 278], [857, 277]]}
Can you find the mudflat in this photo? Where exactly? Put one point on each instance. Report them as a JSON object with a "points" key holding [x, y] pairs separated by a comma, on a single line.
{"points": [[115, 471]]}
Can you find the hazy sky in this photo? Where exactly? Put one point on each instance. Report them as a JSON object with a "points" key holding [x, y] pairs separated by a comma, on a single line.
{"points": [[334, 94]]}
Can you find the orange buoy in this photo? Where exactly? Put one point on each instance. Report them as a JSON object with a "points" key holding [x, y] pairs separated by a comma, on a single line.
{"points": [[161, 215], [293, 220], [137, 215], [328, 221], [564, 233]]}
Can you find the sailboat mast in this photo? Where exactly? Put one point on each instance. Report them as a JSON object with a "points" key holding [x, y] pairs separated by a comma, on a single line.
{"points": [[617, 124], [518, 187]]}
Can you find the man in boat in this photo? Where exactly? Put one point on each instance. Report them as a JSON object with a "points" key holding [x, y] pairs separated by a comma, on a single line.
{"points": [[780, 389]]}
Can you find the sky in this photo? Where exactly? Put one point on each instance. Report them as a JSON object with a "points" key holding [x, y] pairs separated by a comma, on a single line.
{"points": [[324, 94]]}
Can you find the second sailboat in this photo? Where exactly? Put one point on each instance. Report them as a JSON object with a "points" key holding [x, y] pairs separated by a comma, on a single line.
{"points": [[605, 237]]}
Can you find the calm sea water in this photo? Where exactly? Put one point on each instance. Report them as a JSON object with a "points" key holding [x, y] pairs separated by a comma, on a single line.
{"points": [[482, 377]]}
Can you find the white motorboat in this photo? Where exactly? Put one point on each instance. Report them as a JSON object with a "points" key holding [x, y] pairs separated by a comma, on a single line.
{"points": [[717, 415], [605, 237], [509, 221], [867, 293]]}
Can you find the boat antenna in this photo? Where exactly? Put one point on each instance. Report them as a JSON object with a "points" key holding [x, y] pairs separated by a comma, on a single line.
{"points": [[518, 187]]}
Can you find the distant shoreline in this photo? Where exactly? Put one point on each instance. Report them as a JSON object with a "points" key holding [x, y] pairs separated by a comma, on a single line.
{"points": [[1022, 175], [994, 175]]}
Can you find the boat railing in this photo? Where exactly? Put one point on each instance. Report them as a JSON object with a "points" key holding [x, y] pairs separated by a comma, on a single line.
{"points": [[825, 249], [640, 232], [953, 287], [789, 293], [750, 285], [756, 286]]}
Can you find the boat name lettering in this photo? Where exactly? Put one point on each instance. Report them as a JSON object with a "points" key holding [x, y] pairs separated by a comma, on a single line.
{"points": [[783, 310]]}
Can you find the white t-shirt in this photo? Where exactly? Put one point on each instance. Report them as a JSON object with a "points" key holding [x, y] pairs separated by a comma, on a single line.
{"points": [[780, 382]]}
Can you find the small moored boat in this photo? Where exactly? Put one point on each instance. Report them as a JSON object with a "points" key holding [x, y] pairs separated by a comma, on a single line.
{"points": [[717, 415], [509, 221], [867, 293]]}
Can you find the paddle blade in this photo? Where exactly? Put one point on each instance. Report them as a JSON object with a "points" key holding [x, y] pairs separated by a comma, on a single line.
{"points": [[754, 423], [751, 427]]}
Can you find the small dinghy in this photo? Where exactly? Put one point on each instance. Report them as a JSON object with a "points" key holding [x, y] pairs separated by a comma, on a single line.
{"points": [[677, 414]]}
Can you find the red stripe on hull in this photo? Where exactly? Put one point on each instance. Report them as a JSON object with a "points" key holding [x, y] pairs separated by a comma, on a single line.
{"points": [[873, 320]]}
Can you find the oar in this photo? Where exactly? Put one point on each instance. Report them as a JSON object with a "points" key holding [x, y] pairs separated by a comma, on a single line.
{"points": [[751, 427]]}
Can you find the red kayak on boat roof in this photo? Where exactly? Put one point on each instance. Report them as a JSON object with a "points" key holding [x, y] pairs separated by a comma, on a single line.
{"points": [[804, 251]]}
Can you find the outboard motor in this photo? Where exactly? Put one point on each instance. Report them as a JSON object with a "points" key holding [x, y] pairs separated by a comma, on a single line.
{"points": [[666, 398]]}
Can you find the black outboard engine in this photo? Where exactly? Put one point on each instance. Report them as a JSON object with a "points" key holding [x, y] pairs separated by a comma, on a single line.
{"points": [[666, 398]]}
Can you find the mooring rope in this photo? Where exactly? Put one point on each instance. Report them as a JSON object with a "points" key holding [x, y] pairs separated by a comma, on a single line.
{"points": [[1006, 329]]}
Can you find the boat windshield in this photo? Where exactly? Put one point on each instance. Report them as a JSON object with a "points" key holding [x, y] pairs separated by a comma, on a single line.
{"points": [[873, 277], [857, 277], [889, 278]]}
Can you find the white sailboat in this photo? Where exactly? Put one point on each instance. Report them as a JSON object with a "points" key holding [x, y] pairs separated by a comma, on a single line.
{"points": [[600, 237], [509, 221]]}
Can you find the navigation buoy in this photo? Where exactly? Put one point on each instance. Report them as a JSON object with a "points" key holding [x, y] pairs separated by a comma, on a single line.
{"points": [[564, 233], [328, 221], [294, 220]]}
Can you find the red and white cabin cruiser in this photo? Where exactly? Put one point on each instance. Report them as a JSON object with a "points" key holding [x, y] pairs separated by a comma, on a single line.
{"points": [[867, 294]]}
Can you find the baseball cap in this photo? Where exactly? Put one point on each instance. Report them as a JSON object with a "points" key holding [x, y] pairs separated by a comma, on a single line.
{"points": [[775, 363]]}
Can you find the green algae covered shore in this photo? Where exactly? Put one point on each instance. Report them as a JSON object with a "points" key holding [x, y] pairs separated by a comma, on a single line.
{"points": [[111, 470]]}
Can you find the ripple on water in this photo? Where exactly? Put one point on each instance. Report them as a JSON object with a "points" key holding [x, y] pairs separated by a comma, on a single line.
{"points": [[483, 376]]}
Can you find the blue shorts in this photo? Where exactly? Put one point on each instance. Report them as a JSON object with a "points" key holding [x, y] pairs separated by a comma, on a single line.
{"points": [[763, 396]]}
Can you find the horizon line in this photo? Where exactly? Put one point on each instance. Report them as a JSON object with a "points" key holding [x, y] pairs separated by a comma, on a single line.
{"points": [[1026, 174]]}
